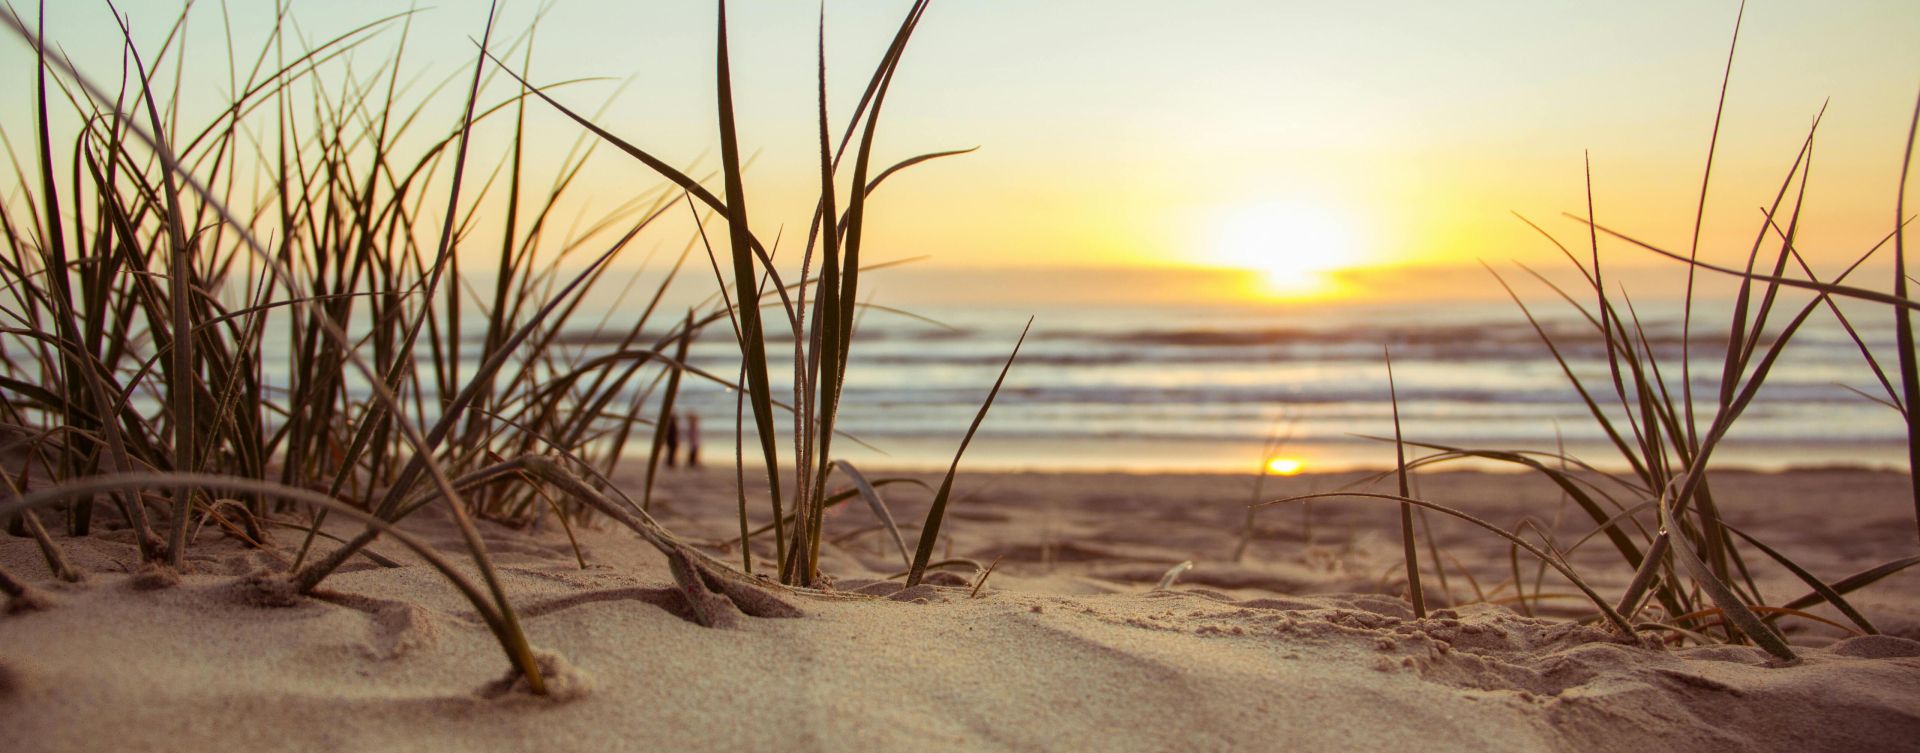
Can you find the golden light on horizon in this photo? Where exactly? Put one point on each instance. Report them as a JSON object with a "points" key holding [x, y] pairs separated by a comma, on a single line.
{"points": [[1295, 246], [1285, 466]]}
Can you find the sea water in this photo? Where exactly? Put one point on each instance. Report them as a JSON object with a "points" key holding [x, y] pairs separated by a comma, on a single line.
{"points": [[1208, 388]]}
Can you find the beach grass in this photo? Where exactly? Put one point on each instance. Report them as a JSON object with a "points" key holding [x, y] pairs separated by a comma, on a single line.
{"points": [[345, 245], [1662, 517], [149, 282]]}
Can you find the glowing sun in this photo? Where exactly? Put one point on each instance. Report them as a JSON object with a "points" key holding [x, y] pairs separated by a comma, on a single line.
{"points": [[1283, 466], [1293, 245]]}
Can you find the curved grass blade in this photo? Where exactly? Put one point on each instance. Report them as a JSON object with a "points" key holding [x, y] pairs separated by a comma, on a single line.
{"points": [[1699, 220], [511, 641], [1734, 611], [1606, 610], [874, 184], [170, 162], [1857, 581], [930, 532], [872, 496], [1823, 590], [829, 501], [1903, 318], [1607, 522], [1844, 291], [1171, 576]]}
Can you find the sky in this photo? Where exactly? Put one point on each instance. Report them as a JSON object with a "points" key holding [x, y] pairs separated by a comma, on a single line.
{"points": [[1259, 150]]}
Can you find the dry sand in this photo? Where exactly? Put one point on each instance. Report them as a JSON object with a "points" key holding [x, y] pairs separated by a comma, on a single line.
{"points": [[1305, 644]]}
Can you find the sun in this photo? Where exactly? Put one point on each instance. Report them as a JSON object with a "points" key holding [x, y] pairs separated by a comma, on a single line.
{"points": [[1284, 466], [1293, 245]]}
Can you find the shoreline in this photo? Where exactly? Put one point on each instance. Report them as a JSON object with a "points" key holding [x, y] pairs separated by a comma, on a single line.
{"points": [[1492, 469], [990, 453]]}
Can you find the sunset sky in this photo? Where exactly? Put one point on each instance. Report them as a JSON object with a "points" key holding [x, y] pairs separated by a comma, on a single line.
{"points": [[1196, 134]]}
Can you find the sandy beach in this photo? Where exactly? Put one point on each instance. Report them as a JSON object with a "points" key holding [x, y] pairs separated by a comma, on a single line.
{"points": [[358, 364], [1304, 644]]}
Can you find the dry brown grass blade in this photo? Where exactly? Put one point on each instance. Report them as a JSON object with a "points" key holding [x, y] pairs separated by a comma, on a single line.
{"points": [[981, 581]]}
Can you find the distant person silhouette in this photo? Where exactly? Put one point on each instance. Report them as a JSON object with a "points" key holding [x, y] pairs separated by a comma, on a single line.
{"points": [[693, 440], [671, 425]]}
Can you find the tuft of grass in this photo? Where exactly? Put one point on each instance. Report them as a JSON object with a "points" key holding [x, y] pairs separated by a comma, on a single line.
{"points": [[1687, 563], [272, 306], [822, 335]]}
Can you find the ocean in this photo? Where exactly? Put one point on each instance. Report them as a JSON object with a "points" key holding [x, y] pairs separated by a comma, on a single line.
{"points": [[1164, 387]]}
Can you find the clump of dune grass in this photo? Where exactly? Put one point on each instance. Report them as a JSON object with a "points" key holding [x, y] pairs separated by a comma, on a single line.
{"points": [[822, 335], [1690, 573], [143, 280]]}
